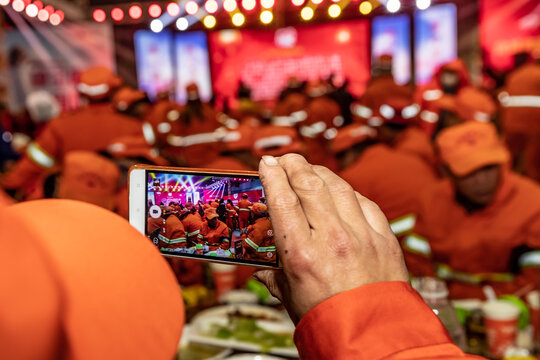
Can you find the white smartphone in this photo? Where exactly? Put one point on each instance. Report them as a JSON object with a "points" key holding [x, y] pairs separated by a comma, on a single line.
{"points": [[211, 215]]}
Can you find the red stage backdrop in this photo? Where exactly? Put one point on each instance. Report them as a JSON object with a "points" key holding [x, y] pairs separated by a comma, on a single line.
{"points": [[508, 27], [265, 59]]}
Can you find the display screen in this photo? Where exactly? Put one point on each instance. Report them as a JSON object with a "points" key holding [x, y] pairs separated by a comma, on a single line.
{"points": [[212, 216]]}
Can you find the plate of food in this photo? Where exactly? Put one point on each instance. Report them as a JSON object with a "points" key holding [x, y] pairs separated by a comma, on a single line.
{"points": [[245, 327]]}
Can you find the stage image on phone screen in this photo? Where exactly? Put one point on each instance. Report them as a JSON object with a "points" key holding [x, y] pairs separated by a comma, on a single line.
{"points": [[209, 216]]}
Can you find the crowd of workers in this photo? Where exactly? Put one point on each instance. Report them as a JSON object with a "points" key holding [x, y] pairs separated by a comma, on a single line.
{"points": [[207, 229], [453, 167]]}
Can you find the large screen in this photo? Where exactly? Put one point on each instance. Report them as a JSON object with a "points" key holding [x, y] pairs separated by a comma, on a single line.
{"points": [[265, 59], [210, 216]]}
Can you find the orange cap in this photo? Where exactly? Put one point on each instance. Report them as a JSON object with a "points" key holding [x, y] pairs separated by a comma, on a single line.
{"points": [[351, 135], [127, 96], [398, 110], [89, 177], [470, 146], [259, 208], [210, 213], [276, 141], [79, 299], [474, 105], [98, 82]]}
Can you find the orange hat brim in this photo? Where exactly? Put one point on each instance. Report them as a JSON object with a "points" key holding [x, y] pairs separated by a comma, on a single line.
{"points": [[464, 165]]}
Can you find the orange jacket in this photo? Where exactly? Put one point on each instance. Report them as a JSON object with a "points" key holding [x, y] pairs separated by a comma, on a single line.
{"points": [[243, 208], [153, 224], [385, 320], [259, 242], [192, 225], [231, 212], [212, 236], [392, 179], [521, 107], [498, 245], [416, 142], [172, 235], [91, 128]]}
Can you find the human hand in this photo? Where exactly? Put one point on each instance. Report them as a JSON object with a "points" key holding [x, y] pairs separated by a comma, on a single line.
{"points": [[329, 238]]}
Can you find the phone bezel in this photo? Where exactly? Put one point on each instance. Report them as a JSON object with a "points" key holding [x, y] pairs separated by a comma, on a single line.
{"points": [[138, 207]]}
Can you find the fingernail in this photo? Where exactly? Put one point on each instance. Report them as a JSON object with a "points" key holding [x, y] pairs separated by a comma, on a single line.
{"points": [[270, 160]]}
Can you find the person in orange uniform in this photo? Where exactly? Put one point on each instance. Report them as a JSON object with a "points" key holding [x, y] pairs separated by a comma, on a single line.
{"points": [[47, 276], [91, 128], [192, 225], [259, 241], [521, 113], [172, 236], [244, 206], [390, 177], [480, 226], [214, 232], [231, 215]]}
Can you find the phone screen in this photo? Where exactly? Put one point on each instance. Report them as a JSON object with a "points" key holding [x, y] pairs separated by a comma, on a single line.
{"points": [[211, 216]]}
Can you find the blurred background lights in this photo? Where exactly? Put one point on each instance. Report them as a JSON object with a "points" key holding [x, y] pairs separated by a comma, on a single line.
{"points": [[182, 24], [266, 17], [423, 4], [192, 7], [32, 10], [334, 10], [307, 13], [55, 19], [366, 8], [211, 6], [229, 5], [238, 19], [209, 21], [135, 12], [173, 9], [267, 4], [156, 25], [98, 15], [249, 4], [4, 2], [117, 14], [393, 6], [298, 2], [18, 5], [316, 2], [154, 10]]}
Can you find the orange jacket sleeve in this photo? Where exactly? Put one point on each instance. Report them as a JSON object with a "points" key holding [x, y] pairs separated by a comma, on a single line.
{"points": [[386, 320]]}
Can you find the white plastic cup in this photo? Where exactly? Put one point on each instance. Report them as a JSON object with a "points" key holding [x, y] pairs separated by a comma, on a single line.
{"points": [[501, 320], [224, 278]]}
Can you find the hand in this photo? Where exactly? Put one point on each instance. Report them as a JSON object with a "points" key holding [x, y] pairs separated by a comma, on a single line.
{"points": [[329, 238]]}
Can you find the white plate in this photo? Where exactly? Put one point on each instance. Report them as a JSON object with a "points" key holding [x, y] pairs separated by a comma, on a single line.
{"points": [[201, 324]]}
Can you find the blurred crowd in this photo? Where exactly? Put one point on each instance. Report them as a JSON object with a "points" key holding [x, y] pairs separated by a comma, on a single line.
{"points": [[453, 166]]}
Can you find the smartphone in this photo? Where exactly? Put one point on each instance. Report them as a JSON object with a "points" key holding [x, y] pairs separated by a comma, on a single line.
{"points": [[211, 215]]}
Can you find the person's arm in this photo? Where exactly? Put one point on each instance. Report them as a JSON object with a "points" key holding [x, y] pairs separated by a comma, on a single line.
{"points": [[344, 280]]}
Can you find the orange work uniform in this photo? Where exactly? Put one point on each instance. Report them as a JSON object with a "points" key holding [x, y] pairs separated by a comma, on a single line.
{"points": [[498, 245], [212, 237], [192, 225], [243, 213], [91, 128], [231, 213], [391, 178], [259, 243], [416, 142], [172, 234], [385, 320], [153, 224]]}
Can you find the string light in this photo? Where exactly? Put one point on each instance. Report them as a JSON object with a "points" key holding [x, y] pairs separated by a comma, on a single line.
{"points": [[238, 19], [173, 9], [249, 4], [229, 5], [307, 13], [156, 25], [298, 2], [267, 4], [99, 15], [423, 4], [393, 6], [211, 6], [192, 7], [135, 12], [117, 14], [366, 8], [32, 10], [334, 10], [209, 21], [182, 24], [154, 11], [266, 17]]}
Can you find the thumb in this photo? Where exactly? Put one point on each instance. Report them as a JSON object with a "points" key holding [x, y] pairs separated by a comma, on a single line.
{"points": [[269, 279]]}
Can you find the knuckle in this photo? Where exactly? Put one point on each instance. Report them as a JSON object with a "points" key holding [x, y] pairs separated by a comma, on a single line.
{"points": [[283, 201], [341, 243], [306, 181]]}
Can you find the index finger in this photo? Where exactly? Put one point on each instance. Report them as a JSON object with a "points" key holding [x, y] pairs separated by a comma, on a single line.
{"points": [[286, 214]]}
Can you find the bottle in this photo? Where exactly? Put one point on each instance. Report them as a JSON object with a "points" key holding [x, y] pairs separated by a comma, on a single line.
{"points": [[435, 294]]}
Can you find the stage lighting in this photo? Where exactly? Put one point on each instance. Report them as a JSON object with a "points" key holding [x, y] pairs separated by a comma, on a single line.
{"points": [[173, 9], [18, 5], [334, 10], [55, 19], [267, 4], [266, 17], [366, 8], [229, 5], [182, 24], [298, 2], [135, 12], [423, 4], [156, 25], [249, 4], [316, 2], [307, 13], [209, 21], [192, 7], [4, 2], [211, 6], [393, 6], [117, 14], [238, 19], [154, 10], [32, 10], [98, 15]]}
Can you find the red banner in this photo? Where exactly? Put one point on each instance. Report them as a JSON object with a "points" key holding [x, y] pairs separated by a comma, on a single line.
{"points": [[265, 59], [508, 27]]}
